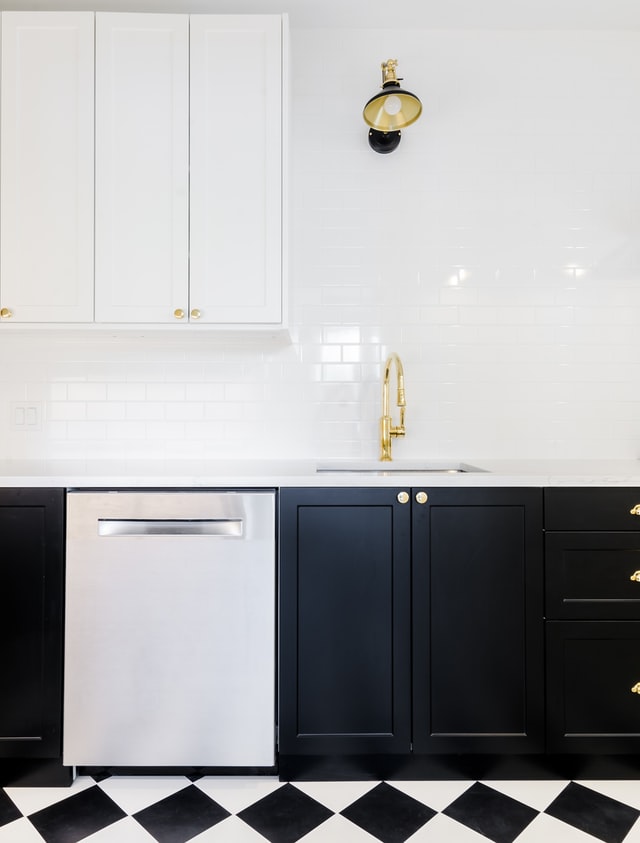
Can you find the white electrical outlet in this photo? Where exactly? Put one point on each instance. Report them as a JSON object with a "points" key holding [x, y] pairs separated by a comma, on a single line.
{"points": [[26, 415]]}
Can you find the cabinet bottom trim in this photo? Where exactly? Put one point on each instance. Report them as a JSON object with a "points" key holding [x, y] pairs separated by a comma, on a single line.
{"points": [[454, 767]]}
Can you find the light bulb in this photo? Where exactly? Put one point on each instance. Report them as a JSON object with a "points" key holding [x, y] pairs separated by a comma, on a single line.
{"points": [[392, 104]]}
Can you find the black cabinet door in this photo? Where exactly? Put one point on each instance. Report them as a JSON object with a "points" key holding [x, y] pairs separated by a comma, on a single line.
{"points": [[31, 595], [593, 686], [345, 643], [478, 621]]}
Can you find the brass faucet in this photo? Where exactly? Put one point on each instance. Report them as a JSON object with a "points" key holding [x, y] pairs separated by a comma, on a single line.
{"points": [[387, 430]]}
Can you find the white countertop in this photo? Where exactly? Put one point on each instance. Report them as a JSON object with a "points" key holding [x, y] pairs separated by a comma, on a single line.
{"points": [[277, 473]]}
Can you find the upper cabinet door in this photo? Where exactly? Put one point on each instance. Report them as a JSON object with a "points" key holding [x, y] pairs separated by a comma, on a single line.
{"points": [[236, 168], [46, 173], [142, 167]]}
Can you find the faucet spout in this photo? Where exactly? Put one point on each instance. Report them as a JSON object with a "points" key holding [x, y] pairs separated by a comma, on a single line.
{"points": [[387, 428]]}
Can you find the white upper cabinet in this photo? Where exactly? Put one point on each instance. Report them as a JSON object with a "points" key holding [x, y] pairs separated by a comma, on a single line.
{"points": [[186, 225], [236, 168], [142, 167], [46, 167]]}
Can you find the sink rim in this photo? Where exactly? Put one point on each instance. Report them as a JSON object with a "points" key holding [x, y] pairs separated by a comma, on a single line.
{"points": [[397, 467]]}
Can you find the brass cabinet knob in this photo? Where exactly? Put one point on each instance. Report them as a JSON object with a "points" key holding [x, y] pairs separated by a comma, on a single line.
{"points": [[422, 497], [636, 688], [403, 497], [5, 313], [178, 313], [195, 313], [635, 577], [635, 510]]}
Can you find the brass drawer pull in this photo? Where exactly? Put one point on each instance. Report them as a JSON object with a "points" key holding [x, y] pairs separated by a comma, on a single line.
{"points": [[635, 577], [5, 313], [635, 510], [636, 688]]}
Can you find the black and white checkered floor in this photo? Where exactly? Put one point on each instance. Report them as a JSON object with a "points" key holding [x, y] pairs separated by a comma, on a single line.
{"points": [[175, 809]]}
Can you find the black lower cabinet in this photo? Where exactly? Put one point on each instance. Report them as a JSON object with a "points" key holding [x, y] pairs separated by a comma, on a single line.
{"points": [[592, 563], [31, 636], [593, 686], [411, 628], [345, 622], [477, 620]]}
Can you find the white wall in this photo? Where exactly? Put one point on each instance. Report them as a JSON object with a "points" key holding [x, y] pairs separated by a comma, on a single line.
{"points": [[497, 251]]}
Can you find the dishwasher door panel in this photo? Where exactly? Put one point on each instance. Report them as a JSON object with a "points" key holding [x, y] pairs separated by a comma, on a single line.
{"points": [[170, 633]]}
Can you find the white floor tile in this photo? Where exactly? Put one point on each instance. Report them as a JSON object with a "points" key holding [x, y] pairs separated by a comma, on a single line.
{"points": [[126, 830], [20, 831], [536, 794], [133, 793], [237, 793], [28, 800], [231, 830], [437, 795], [442, 829], [336, 829], [336, 795], [546, 829]]}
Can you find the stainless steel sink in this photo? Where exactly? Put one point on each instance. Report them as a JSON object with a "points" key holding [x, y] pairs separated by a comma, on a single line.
{"points": [[397, 467]]}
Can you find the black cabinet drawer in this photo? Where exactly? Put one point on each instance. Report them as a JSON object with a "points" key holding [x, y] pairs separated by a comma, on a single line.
{"points": [[592, 575], [592, 668], [591, 508]]}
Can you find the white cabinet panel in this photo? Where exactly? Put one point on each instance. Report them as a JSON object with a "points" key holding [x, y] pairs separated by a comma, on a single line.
{"points": [[142, 167], [46, 172], [236, 168]]}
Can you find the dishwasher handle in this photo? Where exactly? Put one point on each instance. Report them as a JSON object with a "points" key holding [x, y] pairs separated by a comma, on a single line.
{"points": [[222, 527]]}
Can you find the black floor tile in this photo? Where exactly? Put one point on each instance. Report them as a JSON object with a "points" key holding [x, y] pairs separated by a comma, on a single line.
{"points": [[485, 810], [181, 816], [285, 815], [8, 811], [594, 813], [388, 814], [77, 816], [100, 774]]}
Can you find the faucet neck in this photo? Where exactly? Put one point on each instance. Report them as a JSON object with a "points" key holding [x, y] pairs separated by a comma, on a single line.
{"points": [[387, 430]]}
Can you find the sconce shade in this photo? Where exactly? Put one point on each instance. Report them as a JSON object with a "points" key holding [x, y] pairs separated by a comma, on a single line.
{"points": [[393, 108]]}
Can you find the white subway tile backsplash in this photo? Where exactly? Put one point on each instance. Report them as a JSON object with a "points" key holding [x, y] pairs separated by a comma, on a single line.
{"points": [[87, 391], [167, 392], [497, 251], [126, 430], [65, 410]]}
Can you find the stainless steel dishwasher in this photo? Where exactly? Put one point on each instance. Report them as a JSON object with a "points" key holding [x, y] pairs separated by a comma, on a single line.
{"points": [[170, 629]]}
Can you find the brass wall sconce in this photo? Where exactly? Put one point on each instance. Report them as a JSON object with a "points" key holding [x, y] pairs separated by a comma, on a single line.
{"points": [[390, 110]]}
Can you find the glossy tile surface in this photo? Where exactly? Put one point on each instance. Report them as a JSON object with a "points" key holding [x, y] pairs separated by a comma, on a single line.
{"points": [[174, 809]]}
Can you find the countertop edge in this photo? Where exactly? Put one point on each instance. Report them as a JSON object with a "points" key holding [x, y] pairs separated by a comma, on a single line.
{"points": [[280, 474]]}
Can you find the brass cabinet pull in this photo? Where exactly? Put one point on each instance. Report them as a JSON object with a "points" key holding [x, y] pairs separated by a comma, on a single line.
{"points": [[195, 313], [636, 688], [635, 577], [422, 497], [635, 510], [5, 313], [178, 313], [403, 497]]}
